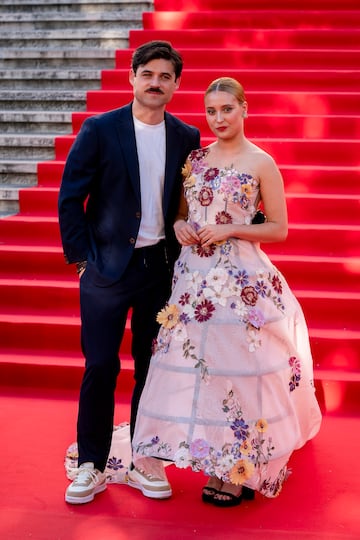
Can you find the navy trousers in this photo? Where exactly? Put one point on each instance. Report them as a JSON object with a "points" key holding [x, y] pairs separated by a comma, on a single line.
{"points": [[144, 288]]}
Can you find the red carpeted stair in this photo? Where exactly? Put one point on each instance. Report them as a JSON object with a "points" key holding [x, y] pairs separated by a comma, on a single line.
{"points": [[300, 68]]}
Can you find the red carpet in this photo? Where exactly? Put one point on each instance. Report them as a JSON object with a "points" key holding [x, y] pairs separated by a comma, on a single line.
{"points": [[320, 500], [300, 67]]}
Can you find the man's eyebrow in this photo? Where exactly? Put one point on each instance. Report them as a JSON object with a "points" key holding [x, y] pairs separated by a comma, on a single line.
{"points": [[162, 73]]}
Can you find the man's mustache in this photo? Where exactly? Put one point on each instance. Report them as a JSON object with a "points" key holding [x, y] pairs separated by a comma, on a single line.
{"points": [[156, 90]]}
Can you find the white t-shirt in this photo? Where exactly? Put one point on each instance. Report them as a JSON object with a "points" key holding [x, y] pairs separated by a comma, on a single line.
{"points": [[150, 142]]}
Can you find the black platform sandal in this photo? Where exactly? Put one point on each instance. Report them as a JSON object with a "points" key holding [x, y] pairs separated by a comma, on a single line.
{"points": [[208, 494], [248, 493], [231, 499]]}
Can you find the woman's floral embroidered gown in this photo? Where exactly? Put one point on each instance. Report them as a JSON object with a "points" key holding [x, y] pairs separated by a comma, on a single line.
{"points": [[230, 388]]}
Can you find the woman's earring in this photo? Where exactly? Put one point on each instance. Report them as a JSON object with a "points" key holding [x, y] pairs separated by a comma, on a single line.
{"points": [[244, 114]]}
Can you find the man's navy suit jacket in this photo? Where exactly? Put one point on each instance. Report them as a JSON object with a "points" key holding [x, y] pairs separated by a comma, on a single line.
{"points": [[99, 199]]}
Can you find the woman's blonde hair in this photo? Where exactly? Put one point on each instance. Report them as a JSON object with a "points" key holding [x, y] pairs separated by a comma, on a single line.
{"points": [[227, 84]]}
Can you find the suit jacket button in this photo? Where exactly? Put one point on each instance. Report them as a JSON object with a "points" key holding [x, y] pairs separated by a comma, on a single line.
{"points": [[132, 240], [138, 215]]}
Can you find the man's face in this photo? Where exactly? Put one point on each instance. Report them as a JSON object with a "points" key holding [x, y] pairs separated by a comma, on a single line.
{"points": [[154, 83]]}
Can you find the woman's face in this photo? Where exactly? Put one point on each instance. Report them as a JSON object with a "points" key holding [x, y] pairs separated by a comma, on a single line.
{"points": [[224, 114]]}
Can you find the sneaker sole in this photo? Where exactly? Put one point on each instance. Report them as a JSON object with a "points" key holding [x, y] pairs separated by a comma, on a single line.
{"points": [[162, 494], [88, 498]]}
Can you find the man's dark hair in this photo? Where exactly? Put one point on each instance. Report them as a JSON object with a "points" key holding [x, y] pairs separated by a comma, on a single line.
{"points": [[154, 50]]}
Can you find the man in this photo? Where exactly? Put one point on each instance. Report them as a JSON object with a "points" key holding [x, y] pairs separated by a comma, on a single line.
{"points": [[118, 200]]}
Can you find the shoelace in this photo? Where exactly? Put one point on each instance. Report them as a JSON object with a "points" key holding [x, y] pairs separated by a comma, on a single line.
{"points": [[83, 476]]}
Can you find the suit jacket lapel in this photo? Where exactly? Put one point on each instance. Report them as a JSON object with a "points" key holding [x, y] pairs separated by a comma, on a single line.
{"points": [[173, 145], [126, 135]]}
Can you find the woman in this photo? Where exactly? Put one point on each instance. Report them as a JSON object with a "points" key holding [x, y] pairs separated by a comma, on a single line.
{"points": [[230, 389]]}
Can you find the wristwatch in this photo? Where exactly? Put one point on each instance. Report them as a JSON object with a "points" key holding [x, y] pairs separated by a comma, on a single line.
{"points": [[80, 266]]}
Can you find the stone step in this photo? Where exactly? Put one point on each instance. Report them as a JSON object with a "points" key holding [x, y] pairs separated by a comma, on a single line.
{"points": [[80, 38], [37, 147], [27, 22], [50, 57], [65, 6], [33, 79], [9, 201], [8, 208], [47, 100], [51, 53], [36, 122], [17, 173]]}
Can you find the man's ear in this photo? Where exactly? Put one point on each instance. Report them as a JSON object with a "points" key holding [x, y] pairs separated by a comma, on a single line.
{"points": [[131, 77]]}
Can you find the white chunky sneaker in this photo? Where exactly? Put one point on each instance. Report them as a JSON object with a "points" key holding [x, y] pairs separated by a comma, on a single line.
{"points": [[88, 482], [150, 479]]}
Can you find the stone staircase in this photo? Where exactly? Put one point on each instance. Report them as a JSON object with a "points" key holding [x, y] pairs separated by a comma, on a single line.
{"points": [[51, 53]]}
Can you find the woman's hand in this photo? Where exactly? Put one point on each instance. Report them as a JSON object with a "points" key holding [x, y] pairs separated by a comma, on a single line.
{"points": [[185, 234], [210, 234]]}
